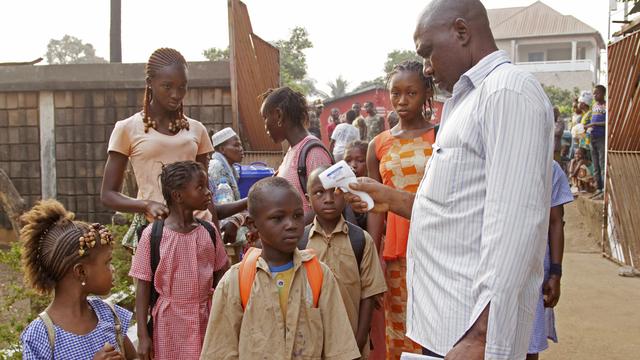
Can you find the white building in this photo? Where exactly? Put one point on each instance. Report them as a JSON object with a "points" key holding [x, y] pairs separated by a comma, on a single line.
{"points": [[559, 50]]}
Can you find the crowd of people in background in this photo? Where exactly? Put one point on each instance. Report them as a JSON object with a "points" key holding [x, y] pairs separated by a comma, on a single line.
{"points": [[580, 142]]}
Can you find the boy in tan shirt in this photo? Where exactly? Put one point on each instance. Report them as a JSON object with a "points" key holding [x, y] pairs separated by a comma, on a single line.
{"points": [[280, 320], [350, 254]]}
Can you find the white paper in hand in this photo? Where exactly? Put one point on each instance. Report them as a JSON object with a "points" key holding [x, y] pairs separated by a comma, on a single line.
{"points": [[409, 356]]}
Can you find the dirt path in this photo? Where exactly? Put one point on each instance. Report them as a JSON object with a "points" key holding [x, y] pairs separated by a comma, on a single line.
{"points": [[598, 316]]}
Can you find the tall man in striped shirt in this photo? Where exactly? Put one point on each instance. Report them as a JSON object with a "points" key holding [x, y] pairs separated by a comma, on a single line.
{"points": [[481, 214]]}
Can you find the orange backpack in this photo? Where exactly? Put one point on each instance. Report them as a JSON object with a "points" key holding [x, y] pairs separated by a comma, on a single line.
{"points": [[247, 274]]}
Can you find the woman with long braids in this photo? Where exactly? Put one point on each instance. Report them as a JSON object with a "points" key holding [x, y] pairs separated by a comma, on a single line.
{"points": [[159, 134], [397, 157]]}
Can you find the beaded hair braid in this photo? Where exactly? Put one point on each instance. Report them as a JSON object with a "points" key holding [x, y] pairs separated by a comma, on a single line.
{"points": [[417, 67], [160, 58], [88, 239], [292, 104], [54, 243]]}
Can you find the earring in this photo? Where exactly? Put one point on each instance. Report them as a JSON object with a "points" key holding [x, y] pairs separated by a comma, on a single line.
{"points": [[83, 283], [279, 123]]}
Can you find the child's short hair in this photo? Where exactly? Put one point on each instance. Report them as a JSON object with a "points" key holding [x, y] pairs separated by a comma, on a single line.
{"points": [[315, 174], [257, 194], [601, 88], [52, 243], [293, 104], [356, 144], [350, 116], [176, 175]]}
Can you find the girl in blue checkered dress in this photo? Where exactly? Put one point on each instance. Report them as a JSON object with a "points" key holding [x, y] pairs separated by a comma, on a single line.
{"points": [[72, 259]]}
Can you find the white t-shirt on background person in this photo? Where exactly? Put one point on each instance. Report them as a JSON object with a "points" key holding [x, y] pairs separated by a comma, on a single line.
{"points": [[342, 135]]}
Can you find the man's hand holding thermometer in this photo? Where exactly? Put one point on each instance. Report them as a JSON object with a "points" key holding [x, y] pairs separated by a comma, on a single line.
{"points": [[340, 176], [365, 194]]}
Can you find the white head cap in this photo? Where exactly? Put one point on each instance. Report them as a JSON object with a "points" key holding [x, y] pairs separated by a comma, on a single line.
{"points": [[586, 97], [222, 136]]}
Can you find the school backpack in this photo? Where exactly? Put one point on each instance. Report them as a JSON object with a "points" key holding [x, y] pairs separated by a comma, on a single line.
{"points": [[302, 160], [356, 237], [247, 275], [154, 253], [51, 332]]}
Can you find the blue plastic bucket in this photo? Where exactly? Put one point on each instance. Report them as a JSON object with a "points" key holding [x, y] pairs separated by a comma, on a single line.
{"points": [[250, 174]]}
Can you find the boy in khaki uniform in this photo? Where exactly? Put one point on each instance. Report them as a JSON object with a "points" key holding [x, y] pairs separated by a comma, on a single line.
{"points": [[329, 238], [280, 320]]}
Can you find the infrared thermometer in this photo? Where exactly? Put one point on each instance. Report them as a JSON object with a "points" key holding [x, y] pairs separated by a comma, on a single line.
{"points": [[340, 175]]}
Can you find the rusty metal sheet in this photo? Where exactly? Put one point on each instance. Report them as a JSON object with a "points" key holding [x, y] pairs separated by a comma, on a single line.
{"points": [[255, 68]]}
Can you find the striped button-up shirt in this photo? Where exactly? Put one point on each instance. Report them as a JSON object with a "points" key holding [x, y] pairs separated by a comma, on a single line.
{"points": [[481, 213]]}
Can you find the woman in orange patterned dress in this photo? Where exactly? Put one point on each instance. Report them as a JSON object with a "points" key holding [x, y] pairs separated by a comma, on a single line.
{"points": [[397, 158]]}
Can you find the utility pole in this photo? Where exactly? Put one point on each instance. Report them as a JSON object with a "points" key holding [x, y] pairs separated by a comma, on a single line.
{"points": [[115, 35]]}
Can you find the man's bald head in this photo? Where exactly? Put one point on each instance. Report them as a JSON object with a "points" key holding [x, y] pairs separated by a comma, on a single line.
{"points": [[452, 36], [445, 12]]}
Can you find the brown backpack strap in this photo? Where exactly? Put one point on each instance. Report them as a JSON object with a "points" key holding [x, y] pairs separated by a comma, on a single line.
{"points": [[51, 331]]}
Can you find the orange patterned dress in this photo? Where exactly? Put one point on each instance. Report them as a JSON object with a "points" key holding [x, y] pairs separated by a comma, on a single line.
{"points": [[402, 166]]}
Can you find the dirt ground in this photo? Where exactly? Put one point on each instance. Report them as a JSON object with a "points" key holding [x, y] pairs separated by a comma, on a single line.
{"points": [[598, 316]]}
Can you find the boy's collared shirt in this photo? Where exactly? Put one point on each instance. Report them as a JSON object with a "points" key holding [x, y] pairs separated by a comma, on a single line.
{"points": [[260, 331], [355, 284]]}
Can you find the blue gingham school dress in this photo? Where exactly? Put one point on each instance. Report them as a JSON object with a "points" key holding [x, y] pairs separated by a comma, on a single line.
{"points": [[35, 339]]}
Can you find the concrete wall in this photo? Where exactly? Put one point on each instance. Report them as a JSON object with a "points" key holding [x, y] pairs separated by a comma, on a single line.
{"points": [[85, 102], [20, 143]]}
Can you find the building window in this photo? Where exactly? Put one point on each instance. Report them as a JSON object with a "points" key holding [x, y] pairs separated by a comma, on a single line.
{"points": [[582, 53], [535, 56], [559, 54]]}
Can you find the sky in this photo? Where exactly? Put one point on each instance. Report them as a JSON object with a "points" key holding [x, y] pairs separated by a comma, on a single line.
{"points": [[351, 37]]}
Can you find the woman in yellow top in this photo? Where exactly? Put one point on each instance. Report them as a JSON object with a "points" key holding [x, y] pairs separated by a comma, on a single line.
{"points": [[397, 158]]}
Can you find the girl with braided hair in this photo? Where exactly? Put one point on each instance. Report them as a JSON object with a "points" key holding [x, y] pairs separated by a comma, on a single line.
{"points": [[285, 115], [190, 265], [159, 134], [72, 259], [397, 157]]}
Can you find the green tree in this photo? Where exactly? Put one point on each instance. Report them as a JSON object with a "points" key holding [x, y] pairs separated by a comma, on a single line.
{"points": [[71, 50], [562, 98], [393, 58], [216, 54], [338, 87], [379, 81], [397, 56], [293, 61], [309, 86]]}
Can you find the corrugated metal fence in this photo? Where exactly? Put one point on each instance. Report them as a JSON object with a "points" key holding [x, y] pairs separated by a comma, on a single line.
{"points": [[255, 67], [623, 152]]}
